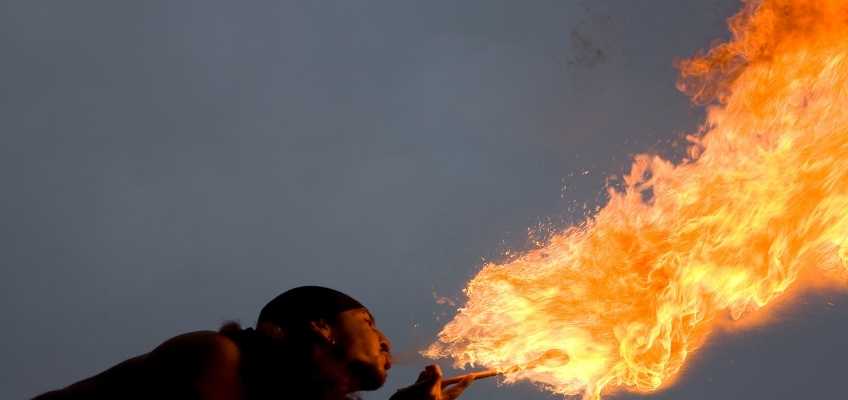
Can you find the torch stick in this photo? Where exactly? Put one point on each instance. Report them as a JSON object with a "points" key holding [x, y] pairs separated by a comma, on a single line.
{"points": [[474, 376], [548, 355]]}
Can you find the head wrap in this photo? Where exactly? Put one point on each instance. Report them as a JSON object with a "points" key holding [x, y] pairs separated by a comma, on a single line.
{"points": [[306, 303]]}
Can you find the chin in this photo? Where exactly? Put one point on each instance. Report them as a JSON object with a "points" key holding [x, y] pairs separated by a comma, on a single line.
{"points": [[376, 380], [370, 377]]}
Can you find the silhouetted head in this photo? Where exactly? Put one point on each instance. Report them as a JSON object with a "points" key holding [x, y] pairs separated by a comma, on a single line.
{"points": [[339, 331]]}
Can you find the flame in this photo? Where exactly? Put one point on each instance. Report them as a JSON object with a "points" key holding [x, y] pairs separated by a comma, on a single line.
{"points": [[759, 206]]}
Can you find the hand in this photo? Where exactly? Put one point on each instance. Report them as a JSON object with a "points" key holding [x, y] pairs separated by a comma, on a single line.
{"points": [[429, 387]]}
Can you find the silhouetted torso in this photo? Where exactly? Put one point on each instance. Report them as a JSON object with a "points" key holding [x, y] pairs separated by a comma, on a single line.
{"points": [[265, 371], [137, 378]]}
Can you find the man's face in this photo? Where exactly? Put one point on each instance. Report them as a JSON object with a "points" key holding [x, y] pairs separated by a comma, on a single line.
{"points": [[365, 349]]}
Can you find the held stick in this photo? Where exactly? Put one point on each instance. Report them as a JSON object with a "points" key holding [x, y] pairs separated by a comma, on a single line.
{"points": [[474, 375], [550, 354]]}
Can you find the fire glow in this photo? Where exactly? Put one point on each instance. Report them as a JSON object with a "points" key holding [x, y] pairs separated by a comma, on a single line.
{"points": [[758, 209]]}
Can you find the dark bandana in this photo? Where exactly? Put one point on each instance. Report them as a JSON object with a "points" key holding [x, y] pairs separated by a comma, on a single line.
{"points": [[307, 303]]}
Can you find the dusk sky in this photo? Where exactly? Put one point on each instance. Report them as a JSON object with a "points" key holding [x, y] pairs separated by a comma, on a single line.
{"points": [[170, 165]]}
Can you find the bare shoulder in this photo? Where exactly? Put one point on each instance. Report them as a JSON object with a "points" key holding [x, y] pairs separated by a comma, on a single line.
{"points": [[197, 349], [206, 361]]}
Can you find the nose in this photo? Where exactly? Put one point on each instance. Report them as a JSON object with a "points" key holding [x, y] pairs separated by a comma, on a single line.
{"points": [[385, 343], [385, 348]]}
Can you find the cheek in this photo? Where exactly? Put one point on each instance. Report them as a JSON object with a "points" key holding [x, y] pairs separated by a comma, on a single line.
{"points": [[363, 343]]}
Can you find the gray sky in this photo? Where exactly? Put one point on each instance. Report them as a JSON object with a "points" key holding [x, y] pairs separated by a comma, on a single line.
{"points": [[170, 165]]}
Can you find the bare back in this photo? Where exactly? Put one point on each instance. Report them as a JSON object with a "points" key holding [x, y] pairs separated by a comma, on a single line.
{"points": [[200, 365]]}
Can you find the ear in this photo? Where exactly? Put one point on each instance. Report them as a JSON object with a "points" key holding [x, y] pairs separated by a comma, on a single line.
{"points": [[323, 329]]}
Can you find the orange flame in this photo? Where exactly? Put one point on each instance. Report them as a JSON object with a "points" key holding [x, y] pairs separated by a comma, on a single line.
{"points": [[759, 206]]}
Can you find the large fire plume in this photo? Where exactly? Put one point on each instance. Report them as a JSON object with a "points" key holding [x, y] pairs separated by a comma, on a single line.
{"points": [[758, 208]]}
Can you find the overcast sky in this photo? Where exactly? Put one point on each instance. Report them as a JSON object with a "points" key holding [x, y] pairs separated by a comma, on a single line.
{"points": [[168, 165]]}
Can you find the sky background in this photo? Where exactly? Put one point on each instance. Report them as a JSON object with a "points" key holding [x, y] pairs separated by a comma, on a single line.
{"points": [[167, 166]]}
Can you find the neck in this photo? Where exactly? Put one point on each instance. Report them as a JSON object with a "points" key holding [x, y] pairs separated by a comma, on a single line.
{"points": [[329, 376], [305, 373]]}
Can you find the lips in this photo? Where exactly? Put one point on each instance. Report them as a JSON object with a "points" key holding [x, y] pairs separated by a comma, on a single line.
{"points": [[388, 364]]}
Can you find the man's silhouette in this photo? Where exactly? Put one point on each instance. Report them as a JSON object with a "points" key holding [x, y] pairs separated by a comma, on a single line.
{"points": [[310, 342]]}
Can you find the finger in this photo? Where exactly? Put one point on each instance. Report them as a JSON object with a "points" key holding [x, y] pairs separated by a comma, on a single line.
{"points": [[429, 374], [425, 375], [436, 383], [437, 373], [456, 389]]}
